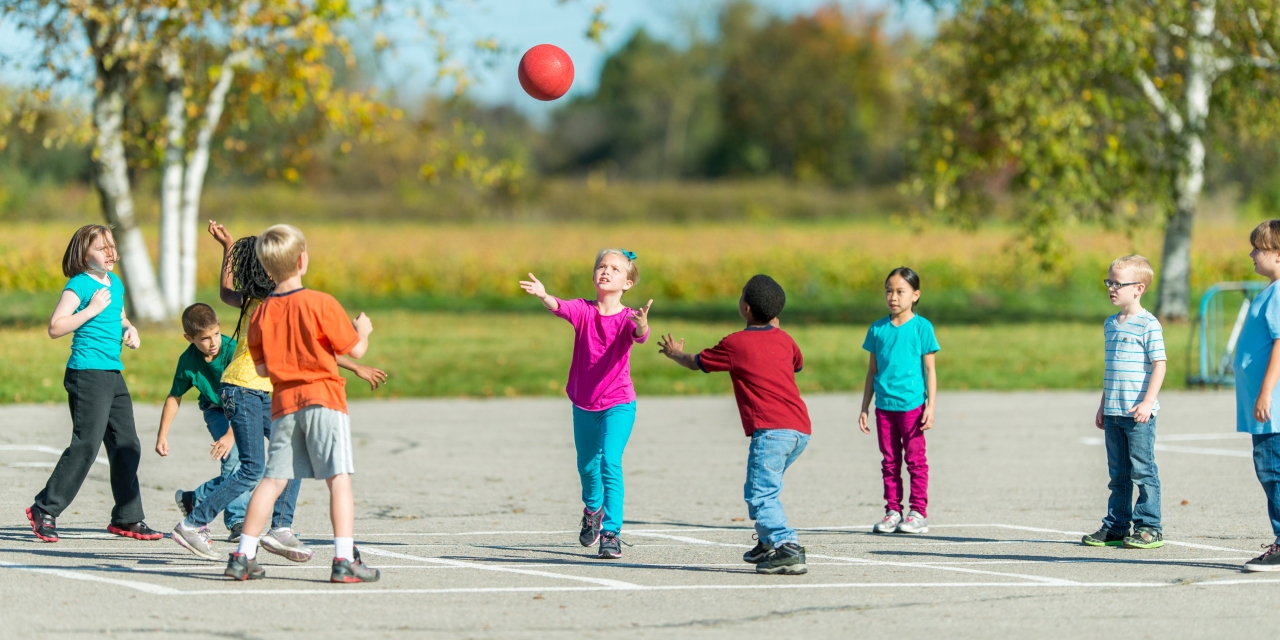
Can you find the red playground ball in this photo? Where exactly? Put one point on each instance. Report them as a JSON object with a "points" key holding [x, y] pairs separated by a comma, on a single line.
{"points": [[546, 72]]}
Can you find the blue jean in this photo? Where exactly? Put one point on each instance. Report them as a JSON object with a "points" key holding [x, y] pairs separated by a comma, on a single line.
{"points": [[1131, 461], [772, 452], [600, 437], [216, 421], [249, 413], [1266, 463]]}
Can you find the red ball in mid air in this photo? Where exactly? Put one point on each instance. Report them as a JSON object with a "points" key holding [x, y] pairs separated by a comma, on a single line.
{"points": [[546, 72]]}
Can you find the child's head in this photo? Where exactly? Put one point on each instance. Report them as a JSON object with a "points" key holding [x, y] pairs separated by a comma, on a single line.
{"points": [[762, 299], [282, 249], [615, 270], [902, 290], [249, 278], [92, 248], [200, 328], [1265, 239], [1128, 278]]}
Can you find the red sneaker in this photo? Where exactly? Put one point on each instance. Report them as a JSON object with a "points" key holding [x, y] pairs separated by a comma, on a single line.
{"points": [[43, 525], [136, 530]]}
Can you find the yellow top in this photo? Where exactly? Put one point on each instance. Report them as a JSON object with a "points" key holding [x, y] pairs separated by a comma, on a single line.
{"points": [[240, 371]]}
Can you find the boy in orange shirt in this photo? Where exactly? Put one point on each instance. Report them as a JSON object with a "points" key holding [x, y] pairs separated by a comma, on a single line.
{"points": [[294, 338]]}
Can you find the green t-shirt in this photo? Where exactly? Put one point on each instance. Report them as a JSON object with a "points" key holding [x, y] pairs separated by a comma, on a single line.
{"points": [[206, 377]]}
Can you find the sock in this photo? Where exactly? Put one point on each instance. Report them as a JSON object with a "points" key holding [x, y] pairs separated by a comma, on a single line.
{"points": [[279, 529], [187, 524], [342, 548], [248, 546]]}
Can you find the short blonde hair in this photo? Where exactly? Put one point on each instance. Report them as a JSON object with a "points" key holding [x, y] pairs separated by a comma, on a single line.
{"points": [[278, 249], [1140, 266], [1266, 236], [633, 272]]}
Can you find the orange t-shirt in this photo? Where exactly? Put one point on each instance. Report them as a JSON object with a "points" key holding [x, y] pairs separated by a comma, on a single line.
{"points": [[298, 335]]}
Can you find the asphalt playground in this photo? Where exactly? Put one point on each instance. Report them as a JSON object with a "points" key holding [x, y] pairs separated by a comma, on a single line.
{"points": [[470, 508]]}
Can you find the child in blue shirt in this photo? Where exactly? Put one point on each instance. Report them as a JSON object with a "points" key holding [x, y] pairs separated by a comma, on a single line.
{"points": [[92, 307]]}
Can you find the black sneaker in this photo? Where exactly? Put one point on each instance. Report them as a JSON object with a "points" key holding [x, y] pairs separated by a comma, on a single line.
{"points": [[1268, 561], [1104, 538], [186, 501], [241, 567], [787, 558], [353, 571], [757, 553], [135, 530], [1144, 538], [590, 533], [610, 546], [43, 525], [236, 530]]}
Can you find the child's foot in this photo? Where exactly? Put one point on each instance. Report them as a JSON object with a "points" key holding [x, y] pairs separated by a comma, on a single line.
{"points": [[913, 523], [1268, 561], [186, 501], [240, 567], [353, 571], [236, 530], [283, 543], [610, 546], [135, 530], [890, 522], [590, 533], [196, 540], [1144, 538], [757, 553], [1104, 538], [43, 525], [787, 558]]}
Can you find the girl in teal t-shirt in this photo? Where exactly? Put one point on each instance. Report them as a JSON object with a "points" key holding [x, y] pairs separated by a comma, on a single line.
{"points": [[902, 378], [92, 308]]}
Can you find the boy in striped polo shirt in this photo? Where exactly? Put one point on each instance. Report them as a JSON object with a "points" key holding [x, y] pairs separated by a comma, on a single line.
{"points": [[1135, 370]]}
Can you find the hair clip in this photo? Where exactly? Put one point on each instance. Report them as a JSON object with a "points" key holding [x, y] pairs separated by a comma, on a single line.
{"points": [[631, 255]]}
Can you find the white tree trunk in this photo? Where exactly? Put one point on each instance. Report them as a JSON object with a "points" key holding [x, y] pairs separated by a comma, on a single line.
{"points": [[196, 169], [171, 242], [111, 177]]}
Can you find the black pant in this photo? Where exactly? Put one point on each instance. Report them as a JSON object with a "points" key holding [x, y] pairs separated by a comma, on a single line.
{"points": [[101, 413]]}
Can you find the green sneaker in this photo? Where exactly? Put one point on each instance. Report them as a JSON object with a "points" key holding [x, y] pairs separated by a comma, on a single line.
{"points": [[1104, 538], [1144, 538]]}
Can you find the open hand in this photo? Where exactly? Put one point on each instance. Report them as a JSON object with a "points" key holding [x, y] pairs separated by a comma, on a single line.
{"points": [[222, 447], [641, 316], [98, 301], [668, 346], [131, 338], [375, 377], [534, 287], [220, 234]]}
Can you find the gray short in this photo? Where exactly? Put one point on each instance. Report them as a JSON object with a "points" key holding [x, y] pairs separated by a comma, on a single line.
{"points": [[313, 442]]}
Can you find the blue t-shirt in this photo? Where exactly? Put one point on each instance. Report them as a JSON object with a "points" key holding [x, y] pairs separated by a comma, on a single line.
{"points": [[1131, 351], [1253, 352], [96, 344], [899, 352]]}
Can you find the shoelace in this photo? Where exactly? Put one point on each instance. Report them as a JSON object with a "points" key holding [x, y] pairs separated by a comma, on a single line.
{"points": [[205, 536], [605, 536], [1271, 550]]}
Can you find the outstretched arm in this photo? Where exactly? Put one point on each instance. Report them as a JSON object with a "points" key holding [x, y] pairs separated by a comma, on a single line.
{"points": [[226, 291], [534, 287], [670, 348]]}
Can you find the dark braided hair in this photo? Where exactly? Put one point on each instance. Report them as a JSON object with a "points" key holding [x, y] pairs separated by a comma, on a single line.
{"points": [[249, 278]]}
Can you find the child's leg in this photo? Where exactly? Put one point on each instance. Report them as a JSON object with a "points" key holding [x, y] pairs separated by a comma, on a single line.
{"points": [[259, 513], [1266, 463], [1143, 472], [342, 506], [215, 420], [616, 425], [124, 453], [1119, 510], [89, 396], [889, 435], [243, 408], [587, 427], [772, 451], [913, 448]]}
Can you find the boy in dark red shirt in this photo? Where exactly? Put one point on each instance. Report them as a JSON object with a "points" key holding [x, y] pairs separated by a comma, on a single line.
{"points": [[762, 360]]}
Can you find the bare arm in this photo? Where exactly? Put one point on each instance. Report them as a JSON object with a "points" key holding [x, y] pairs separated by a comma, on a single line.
{"points": [[534, 287], [375, 377], [131, 337], [226, 290], [167, 415], [931, 382], [670, 348], [1262, 407], [364, 327], [868, 391], [66, 320]]}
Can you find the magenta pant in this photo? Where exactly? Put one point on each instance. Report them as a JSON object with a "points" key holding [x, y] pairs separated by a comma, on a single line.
{"points": [[901, 437]]}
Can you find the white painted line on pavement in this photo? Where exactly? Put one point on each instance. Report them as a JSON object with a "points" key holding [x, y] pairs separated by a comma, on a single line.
{"points": [[42, 449], [82, 574], [604, 582], [1204, 451]]}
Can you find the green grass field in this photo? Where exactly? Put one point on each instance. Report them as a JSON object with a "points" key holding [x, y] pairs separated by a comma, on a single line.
{"points": [[488, 354]]}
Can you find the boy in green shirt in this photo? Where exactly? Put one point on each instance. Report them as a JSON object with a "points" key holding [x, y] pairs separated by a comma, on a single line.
{"points": [[201, 366]]}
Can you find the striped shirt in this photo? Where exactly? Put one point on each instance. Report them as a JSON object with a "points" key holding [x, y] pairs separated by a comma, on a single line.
{"points": [[1131, 349]]}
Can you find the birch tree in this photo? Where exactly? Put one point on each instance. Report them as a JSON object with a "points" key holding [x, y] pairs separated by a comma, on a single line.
{"points": [[1091, 110]]}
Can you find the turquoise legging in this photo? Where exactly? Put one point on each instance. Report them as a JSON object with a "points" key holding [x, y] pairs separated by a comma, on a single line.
{"points": [[600, 437]]}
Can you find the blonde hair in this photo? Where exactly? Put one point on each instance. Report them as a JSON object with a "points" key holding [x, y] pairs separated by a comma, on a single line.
{"points": [[278, 249], [1140, 266], [1266, 236], [76, 260], [633, 272]]}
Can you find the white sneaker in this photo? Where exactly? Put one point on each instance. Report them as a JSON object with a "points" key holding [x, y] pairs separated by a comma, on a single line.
{"points": [[914, 523], [890, 522], [283, 543], [195, 540]]}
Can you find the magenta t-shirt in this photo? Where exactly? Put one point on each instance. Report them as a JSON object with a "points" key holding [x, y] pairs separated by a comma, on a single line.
{"points": [[600, 375]]}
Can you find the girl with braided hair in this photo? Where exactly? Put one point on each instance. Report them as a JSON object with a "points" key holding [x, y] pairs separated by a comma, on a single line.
{"points": [[246, 401]]}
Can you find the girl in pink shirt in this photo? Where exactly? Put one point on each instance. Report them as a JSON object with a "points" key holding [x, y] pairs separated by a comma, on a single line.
{"points": [[604, 400]]}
